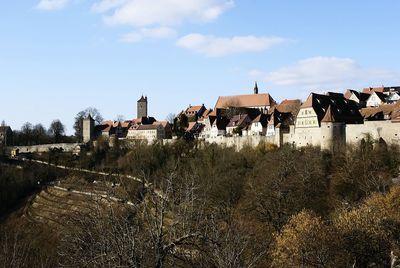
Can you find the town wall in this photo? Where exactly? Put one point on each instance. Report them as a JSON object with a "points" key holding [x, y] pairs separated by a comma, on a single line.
{"points": [[302, 137], [387, 130], [239, 142], [44, 148]]}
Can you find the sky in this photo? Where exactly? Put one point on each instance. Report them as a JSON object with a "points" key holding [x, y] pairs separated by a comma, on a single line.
{"points": [[58, 57]]}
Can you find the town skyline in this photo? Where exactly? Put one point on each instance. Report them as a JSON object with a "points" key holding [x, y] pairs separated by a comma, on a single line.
{"points": [[186, 55]]}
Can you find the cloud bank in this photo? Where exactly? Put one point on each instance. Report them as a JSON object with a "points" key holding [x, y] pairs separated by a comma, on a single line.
{"points": [[326, 72], [142, 13]]}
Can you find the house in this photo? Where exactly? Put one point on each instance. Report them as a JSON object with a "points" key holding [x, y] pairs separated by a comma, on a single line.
{"points": [[111, 128], [6, 135], [382, 112], [376, 98], [281, 120], [167, 128], [314, 109], [393, 97], [259, 125], [309, 119], [150, 133], [238, 123], [218, 127], [205, 115], [195, 111], [381, 89], [359, 97], [144, 120], [283, 116], [105, 129], [207, 121]]}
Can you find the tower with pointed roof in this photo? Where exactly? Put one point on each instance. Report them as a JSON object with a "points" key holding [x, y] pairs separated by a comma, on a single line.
{"points": [[142, 107], [256, 88], [88, 129], [333, 132]]}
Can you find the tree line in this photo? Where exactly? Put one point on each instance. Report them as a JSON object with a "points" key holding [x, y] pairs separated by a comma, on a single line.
{"points": [[260, 207]]}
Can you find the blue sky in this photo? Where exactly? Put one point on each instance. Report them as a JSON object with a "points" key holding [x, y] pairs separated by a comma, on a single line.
{"points": [[58, 57]]}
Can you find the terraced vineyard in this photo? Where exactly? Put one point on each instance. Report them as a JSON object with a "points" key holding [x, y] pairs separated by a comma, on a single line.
{"points": [[54, 204]]}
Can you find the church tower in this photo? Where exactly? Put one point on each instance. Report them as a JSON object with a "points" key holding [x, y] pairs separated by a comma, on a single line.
{"points": [[142, 107]]}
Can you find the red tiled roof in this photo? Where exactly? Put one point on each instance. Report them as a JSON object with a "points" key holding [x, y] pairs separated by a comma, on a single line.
{"points": [[329, 117], [147, 127], [288, 106], [161, 123], [194, 108], [373, 89], [191, 126], [244, 101]]}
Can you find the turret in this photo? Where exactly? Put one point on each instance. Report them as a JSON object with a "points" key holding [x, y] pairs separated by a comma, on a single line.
{"points": [[333, 133]]}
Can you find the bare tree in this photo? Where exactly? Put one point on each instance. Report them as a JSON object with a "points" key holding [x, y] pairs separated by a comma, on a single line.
{"points": [[78, 125], [57, 130], [105, 237], [170, 118]]}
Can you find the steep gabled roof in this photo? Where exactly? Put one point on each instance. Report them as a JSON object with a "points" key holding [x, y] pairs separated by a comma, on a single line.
{"points": [[221, 122], [262, 118], [195, 109], [350, 92], [373, 89], [344, 110], [381, 96], [239, 121], [289, 106]]}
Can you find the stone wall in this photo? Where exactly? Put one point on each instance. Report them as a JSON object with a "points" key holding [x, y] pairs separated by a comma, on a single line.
{"points": [[239, 142], [44, 148], [388, 131]]}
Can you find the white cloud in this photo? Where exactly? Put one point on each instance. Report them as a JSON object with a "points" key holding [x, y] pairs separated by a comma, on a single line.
{"points": [[145, 33], [142, 13], [51, 4], [213, 46], [107, 5], [328, 72]]}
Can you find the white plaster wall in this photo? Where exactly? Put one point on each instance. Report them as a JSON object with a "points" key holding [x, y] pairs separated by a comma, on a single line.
{"points": [[374, 101], [305, 136], [241, 141]]}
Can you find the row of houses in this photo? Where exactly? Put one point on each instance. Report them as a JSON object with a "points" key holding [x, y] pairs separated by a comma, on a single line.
{"points": [[142, 128], [322, 120]]}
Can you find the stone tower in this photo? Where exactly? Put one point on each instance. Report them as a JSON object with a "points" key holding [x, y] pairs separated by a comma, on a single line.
{"points": [[88, 129], [142, 107], [333, 133], [256, 88]]}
